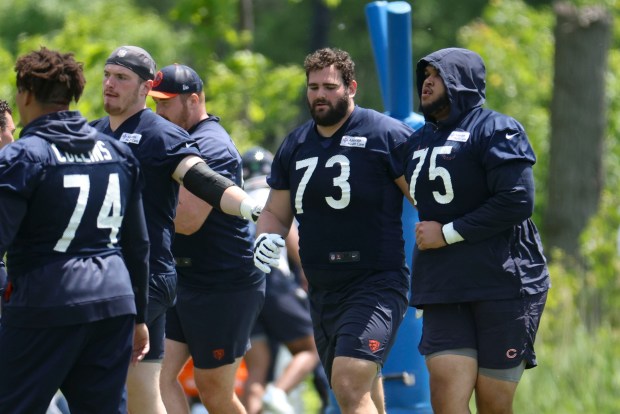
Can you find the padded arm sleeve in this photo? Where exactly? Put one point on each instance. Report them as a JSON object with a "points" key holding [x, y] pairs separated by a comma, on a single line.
{"points": [[206, 184]]}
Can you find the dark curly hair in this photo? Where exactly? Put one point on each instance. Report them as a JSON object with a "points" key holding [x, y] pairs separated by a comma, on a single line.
{"points": [[324, 58], [53, 77], [4, 108]]}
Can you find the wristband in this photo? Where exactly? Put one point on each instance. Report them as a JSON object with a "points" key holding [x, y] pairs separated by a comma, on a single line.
{"points": [[450, 235]]}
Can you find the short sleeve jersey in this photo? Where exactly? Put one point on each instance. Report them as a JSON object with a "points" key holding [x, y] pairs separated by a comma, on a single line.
{"points": [[160, 146], [343, 194], [221, 250]]}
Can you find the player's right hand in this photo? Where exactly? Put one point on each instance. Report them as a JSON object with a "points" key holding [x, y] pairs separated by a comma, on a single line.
{"points": [[141, 343], [250, 209], [267, 251]]}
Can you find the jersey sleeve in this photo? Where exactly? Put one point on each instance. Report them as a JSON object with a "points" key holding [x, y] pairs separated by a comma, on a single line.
{"points": [[135, 247], [168, 146], [18, 176], [507, 159], [398, 136], [278, 178]]}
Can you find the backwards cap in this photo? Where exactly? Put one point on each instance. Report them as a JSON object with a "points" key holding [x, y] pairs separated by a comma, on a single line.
{"points": [[134, 58], [174, 80]]}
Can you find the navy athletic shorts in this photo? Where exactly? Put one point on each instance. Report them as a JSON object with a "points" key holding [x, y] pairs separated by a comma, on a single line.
{"points": [[360, 320], [501, 331], [87, 362], [216, 325], [162, 294], [286, 314]]}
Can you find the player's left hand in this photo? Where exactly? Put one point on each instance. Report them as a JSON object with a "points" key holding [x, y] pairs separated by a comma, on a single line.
{"points": [[428, 235], [250, 209]]}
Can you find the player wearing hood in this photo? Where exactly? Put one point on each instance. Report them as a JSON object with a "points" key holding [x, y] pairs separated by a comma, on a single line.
{"points": [[478, 267]]}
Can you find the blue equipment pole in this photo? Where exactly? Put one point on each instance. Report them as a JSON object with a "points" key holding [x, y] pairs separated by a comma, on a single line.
{"points": [[376, 16], [405, 362]]}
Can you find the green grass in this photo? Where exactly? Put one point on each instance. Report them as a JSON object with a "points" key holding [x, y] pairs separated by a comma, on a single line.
{"points": [[578, 372]]}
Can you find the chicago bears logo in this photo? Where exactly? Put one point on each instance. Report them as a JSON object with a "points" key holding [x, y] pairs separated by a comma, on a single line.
{"points": [[218, 354], [374, 345], [511, 353], [158, 78]]}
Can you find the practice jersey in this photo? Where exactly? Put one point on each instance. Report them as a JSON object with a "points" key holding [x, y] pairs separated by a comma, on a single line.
{"points": [[474, 171], [221, 250], [343, 194], [160, 146], [64, 192]]}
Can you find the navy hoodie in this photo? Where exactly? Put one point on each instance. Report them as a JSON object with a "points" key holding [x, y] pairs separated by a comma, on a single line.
{"points": [[473, 172], [70, 197]]}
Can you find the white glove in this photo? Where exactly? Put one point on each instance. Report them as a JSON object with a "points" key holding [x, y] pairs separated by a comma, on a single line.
{"points": [[267, 251], [250, 209]]}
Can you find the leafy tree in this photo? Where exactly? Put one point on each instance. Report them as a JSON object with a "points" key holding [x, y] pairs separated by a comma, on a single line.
{"points": [[253, 97]]}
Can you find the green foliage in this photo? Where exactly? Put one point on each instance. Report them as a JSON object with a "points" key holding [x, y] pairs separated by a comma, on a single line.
{"points": [[92, 43], [256, 98], [213, 25], [600, 249], [252, 112], [577, 375]]}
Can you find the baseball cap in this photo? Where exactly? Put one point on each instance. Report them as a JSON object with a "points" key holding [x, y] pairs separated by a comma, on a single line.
{"points": [[175, 79], [134, 58]]}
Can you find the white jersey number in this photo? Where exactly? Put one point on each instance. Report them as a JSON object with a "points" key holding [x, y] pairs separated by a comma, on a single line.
{"points": [[434, 173], [109, 215], [342, 181]]}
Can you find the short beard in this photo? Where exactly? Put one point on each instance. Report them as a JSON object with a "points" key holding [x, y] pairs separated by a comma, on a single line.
{"points": [[334, 114], [430, 109]]}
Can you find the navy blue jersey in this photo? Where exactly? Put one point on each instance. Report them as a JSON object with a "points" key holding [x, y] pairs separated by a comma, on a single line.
{"points": [[160, 146], [474, 171], [64, 192], [223, 243], [343, 192]]}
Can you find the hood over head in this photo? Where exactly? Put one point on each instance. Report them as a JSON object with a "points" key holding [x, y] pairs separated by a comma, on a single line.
{"points": [[69, 130], [463, 73]]}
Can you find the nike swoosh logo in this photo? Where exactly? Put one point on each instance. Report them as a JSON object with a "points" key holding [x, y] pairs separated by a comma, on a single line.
{"points": [[511, 136]]}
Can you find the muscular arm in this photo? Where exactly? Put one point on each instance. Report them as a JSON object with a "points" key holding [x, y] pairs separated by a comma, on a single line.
{"points": [[277, 215], [191, 213], [404, 187]]}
